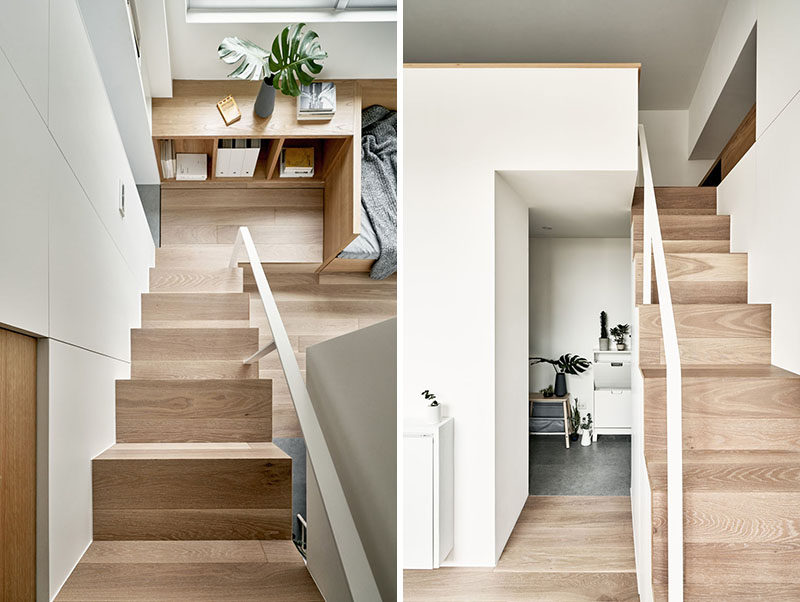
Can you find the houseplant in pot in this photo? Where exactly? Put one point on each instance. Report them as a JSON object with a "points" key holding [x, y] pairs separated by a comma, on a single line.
{"points": [[575, 422], [293, 61], [433, 411], [586, 430], [603, 342], [569, 363], [620, 333]]}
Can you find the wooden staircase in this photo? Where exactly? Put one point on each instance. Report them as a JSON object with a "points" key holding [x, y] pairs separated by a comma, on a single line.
{"points": [[741, 415], [194, 480]]}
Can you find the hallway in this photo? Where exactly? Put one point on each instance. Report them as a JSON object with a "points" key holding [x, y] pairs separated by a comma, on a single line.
{"points": [[563, 548]]}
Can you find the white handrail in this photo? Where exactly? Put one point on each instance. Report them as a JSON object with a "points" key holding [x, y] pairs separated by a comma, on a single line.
{"points": [[655, 245], [358, 572]]}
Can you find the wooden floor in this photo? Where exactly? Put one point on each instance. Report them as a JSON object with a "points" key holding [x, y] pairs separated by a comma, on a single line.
{"points": [[190, 570], [563, 548]]}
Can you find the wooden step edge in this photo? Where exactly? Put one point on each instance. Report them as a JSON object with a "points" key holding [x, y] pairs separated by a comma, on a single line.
{"points": [[265, 450], [721, 370]]}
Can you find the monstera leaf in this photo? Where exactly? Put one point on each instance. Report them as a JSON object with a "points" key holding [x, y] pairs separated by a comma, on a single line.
{"points": [[254, 66], [573, 364], [293, 52]]}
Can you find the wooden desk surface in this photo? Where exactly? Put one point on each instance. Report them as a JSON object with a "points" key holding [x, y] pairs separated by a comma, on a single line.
{"points": [[540, 397], [192, 112]]}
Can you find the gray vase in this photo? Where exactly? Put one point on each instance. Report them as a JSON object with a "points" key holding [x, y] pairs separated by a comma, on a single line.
{"points": [[265, 101]]}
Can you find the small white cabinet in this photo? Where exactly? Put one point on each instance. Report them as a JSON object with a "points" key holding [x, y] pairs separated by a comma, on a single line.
{"points": [[427, 494], [611, 403]]}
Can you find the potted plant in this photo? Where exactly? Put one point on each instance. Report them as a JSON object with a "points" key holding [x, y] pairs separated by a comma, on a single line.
{"points": [[567, 364], [620, 332], [575, 422], [586, 430], [433, 411], [547, 391], [603, 343], [293, 61]]}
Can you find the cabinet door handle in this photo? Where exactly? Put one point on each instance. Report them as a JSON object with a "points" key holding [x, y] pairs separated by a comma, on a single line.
{"points": [[616, 364]]}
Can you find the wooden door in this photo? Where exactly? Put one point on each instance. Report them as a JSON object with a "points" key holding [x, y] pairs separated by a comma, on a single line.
{"points": [[17, 467]]}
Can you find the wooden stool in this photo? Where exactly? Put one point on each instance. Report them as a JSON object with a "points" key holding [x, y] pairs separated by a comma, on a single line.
{"points": [[565, 404]]}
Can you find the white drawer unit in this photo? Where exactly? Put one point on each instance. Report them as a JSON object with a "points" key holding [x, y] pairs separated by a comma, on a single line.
{"points": [[428, 495], [611, 403]]}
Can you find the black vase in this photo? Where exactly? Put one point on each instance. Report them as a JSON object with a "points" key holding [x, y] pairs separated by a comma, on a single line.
{"points": [[265, 101], [561, 384]]}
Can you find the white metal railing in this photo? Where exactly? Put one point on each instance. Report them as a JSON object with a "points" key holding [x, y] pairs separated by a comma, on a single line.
{"points": [[653, 244], [358, 572]]}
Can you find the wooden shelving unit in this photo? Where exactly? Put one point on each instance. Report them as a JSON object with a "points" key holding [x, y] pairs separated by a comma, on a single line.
{"points": [[191, 120]]}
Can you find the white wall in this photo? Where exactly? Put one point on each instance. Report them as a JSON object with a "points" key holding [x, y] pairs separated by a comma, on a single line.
{"points": [[352, 380], [734, 29], [778, 78], [761, 192], [72, 268], [571, 281], [667, 142], [578, 119], [112, 40], [355, 50], [511, 346]]}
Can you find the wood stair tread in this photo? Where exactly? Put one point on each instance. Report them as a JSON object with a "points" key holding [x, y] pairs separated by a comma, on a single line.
{"points": [[193, 451], [196, 280], [721, 370]]}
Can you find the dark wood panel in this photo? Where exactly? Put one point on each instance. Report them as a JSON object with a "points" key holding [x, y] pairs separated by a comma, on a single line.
{"points": [[17, 467], [743, 138]]}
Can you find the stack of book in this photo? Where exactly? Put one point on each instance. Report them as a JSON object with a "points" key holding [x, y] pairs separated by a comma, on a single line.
{"points": [[237, 158], [297, 163], [168, 167], [316, 101]]}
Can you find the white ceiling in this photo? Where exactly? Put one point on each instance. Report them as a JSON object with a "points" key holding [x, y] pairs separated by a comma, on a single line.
{"points": [[572, 204], [671, 38]]}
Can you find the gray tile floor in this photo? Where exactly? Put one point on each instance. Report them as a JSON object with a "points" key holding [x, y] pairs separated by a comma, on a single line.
{"points": [[603, 468]]}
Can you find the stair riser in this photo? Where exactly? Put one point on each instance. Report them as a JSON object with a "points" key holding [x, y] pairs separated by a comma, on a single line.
{"points": [[708, 351], [177, 280], [181, 310], [194, 411], [738, 413], [195, 369], [710, 321], [712, 279], [683, 227], [159, 344], [160, 498], [683, 200]]}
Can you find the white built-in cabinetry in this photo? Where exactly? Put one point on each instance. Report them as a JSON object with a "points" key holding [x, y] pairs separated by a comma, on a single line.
{"points": [[611, 402], [428, 494]]}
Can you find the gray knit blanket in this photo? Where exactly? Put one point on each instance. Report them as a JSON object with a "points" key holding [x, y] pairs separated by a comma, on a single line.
{"points": [[379, 183]]}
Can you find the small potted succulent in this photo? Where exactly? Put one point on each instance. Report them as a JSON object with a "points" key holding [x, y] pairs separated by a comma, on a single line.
{"points": [[586, 430], [433, 411], [620, 333], [603, 342], [547, 391], [568, 363], [293, 62]]}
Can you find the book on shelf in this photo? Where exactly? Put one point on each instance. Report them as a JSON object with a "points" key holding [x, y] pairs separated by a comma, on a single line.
{"points": [[237, 157], [297, 162], [167, 156], [191, 166], [317, 101]]}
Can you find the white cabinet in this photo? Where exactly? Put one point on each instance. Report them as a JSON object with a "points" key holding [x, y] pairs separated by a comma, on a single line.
{"points": [[428, 494], [611, 403]]}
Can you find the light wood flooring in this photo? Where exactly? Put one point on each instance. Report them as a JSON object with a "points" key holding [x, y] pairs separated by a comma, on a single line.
{"points": [[198, 229], [190, 570], [563, 548]]}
